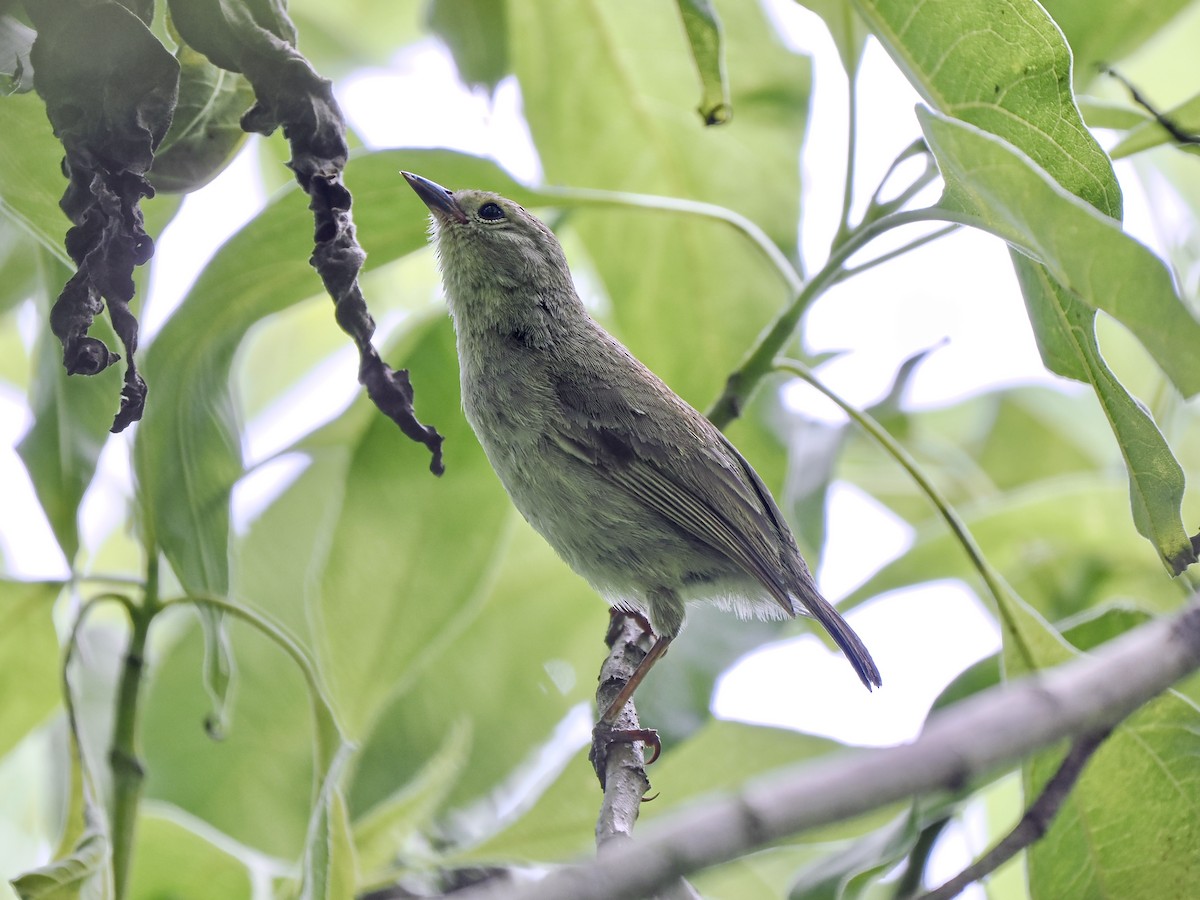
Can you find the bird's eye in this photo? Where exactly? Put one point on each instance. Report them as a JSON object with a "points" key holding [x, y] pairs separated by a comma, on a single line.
{"points": [[491, 212]]}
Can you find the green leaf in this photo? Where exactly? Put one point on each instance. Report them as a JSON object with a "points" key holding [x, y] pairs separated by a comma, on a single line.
{"points": [[1002, 66], [76, 877], [329, 868], [703, 28], [624, 68], [409, 555], [172, 860], [1109, 30], [1156, 479], [1098, 265], [384, 831], [474, 31], [29, 674], [31, 179], [1138, 791], [513, 670], [1084, 251], [72, 416]]}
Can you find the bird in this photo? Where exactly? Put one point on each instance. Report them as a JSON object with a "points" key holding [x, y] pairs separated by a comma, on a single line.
{"points": [[635, 489]]}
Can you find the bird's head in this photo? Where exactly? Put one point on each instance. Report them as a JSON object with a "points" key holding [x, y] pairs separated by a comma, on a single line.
{"points": [[495, 257]]}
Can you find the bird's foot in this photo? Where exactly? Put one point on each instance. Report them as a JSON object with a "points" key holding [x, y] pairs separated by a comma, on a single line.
{"points": [[604, 736]]}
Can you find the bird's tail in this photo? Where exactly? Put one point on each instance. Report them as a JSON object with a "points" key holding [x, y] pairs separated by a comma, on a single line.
{"points": [[843, 635]]}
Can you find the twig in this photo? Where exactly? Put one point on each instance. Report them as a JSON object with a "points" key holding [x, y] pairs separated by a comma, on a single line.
{"points": [[991, 730], [1034, 823], [1162, 119], [621, 766], [759, 362]]}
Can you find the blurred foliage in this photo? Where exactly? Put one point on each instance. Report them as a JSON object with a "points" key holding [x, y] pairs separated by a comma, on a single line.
{"points": [[454, 650]]}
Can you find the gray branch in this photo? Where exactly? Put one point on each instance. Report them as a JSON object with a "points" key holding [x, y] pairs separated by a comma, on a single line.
{"points": [[620, 766], [991, 730]]}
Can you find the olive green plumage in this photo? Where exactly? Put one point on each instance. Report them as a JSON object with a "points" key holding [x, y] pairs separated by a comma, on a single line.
{"points": [[637, 491]]}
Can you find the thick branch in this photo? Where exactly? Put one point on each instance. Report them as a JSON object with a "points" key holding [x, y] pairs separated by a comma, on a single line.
{"points": [[986, 732], [620, 765]]}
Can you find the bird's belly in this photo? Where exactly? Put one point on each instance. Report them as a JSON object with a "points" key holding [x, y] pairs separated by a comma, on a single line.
{"points": [[624, 549]]}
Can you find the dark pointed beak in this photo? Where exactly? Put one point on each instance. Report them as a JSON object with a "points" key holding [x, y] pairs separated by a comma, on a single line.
{"points": [[440, 201]]}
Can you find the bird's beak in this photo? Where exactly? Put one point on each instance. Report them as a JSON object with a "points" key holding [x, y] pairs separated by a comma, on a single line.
{"points": [[440, 201]]}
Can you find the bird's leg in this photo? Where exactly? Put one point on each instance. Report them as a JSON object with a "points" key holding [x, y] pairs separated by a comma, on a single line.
{"points": [[605, 727], [621, 675], [656, 652]]}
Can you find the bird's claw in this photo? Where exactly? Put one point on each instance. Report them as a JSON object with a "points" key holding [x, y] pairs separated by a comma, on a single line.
{"points": [[604, 735]]}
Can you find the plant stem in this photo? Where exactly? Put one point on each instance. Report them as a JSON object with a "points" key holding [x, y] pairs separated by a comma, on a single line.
{"points": [[127, 771], [761, 358]]}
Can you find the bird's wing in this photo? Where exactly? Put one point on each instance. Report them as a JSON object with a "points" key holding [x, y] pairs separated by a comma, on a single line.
{"points": [[709, 492]]}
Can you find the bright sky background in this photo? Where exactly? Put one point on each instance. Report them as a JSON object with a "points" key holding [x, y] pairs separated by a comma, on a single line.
{"points": [[960, 290]]}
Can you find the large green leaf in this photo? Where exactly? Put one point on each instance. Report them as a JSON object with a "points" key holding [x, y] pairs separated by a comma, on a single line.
{"points": [[1086, 252], [31, 180], [1115, 833], [623, 68], [1130, 827], [409, 555], [1086, 263], [1002, 66], [511, 673]]}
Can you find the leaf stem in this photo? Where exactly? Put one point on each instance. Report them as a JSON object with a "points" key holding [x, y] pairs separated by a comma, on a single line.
{"points": [[892, 447], [844, 230], [276, 633], [591, 197], [899, 251]]}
